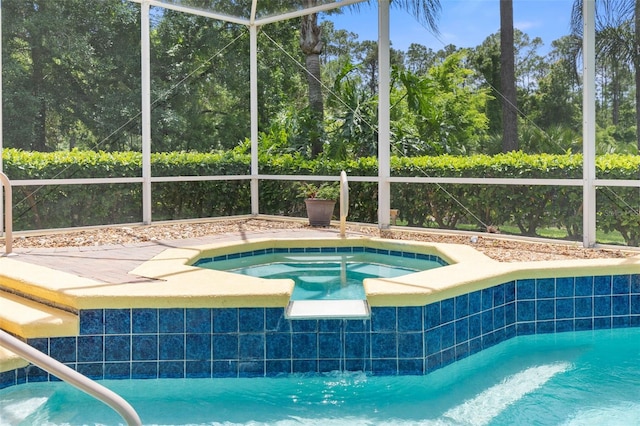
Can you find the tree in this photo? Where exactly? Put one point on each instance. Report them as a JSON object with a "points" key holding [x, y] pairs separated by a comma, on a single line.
{"points": [[311, 45], [508, 78]]}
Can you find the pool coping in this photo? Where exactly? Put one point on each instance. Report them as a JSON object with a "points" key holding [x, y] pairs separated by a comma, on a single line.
{"points": [[171, 280]]}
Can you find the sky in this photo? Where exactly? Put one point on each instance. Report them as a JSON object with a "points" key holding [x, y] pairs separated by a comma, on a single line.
{"points": [[463, 23]]}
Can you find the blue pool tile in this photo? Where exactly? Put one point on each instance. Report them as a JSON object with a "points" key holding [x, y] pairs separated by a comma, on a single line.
{"points": [[384, 367], [602, 306], [277, 367], [410, 345], [635, 283], [90, 348], [277, 346], [448, 356], [63, 349], [251, 320], [383, 319], [304, 346], [304, 326], [304, 366], [602, 323], [41, 344], [448, 335], [475, 302], [91, 321], [545, 309], [343, 249], [564, 325], [620, 305], [408, 255], [355, 326], [199, 321], [475, 326], [509, 313], [144, 320], [358, 250], [620, 322], [621, 284], [499, 317], [564, 308], [198, 347], [432, 315], [171, 320], [224, 369], [329, 325], [525, 289], [461, 306], [602, 285], [635, 304], [545, 327], [434, 362], [545, 288], [510, 292], [94, 371], [411, 367], [328, 365], [144, 370], [447, 311], [328, 249], [144, 347], [462, 351], [498, 295], [117, 348], [171, 346], [171, 370], [525, 310], [383, 345], [525, 328], [225, 346], [312, 250], [7, 378], [225, 320], [433, 341], [274, 320], [487, 298], [487, 321], [329, 345], [584, 307], [410, 318], [117, 321], [462, 330], [565, 287], [584, 286], [583, 324], [356, 345], [36, 374], [251, 346], [117, 370]]}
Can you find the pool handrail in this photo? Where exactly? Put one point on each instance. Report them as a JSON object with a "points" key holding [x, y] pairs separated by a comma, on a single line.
{"points": [[8, 214], [71, 376], [344, 202]]}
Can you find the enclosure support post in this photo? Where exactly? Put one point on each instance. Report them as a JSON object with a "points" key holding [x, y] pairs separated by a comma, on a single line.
{"points": [[589, 126], [384, 114], [145, 68], [253, 61]]}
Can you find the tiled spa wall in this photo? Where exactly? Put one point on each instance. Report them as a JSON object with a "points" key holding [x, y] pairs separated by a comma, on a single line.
{"points": [[249, 342]]}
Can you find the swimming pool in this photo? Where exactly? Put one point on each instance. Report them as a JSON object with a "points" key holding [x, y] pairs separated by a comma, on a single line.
{"points": [[577, 378], [324, 273]]}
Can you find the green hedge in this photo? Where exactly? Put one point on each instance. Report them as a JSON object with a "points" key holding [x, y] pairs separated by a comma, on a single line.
{"points": [[529, 208]]}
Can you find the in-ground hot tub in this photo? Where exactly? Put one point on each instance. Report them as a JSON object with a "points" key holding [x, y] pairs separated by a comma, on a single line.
{"points": [[262, 271]]}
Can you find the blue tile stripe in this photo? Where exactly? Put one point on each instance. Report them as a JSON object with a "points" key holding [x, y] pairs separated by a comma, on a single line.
{"points": [[250, 342], [348, 250]]}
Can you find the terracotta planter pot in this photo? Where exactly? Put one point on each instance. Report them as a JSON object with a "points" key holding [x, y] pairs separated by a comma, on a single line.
{"points": [[319, 211]]}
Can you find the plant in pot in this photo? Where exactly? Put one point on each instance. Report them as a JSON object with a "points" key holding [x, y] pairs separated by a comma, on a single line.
{"points": [[320, 201]]}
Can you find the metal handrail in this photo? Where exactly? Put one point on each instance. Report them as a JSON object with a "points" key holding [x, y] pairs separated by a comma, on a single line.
{"points": [[72, 377], [8, 214]]}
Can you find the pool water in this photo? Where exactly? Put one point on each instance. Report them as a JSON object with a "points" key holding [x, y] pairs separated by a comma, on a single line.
{"points": [[324, 276], [581, 378]]}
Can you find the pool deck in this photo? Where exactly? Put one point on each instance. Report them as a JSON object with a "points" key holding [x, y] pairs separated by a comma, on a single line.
{"points": [[41, 290]]}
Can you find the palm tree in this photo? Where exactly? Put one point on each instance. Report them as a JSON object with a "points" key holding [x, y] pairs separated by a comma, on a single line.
{"points": [[508, 78], [425, 11], [617, 29]]}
